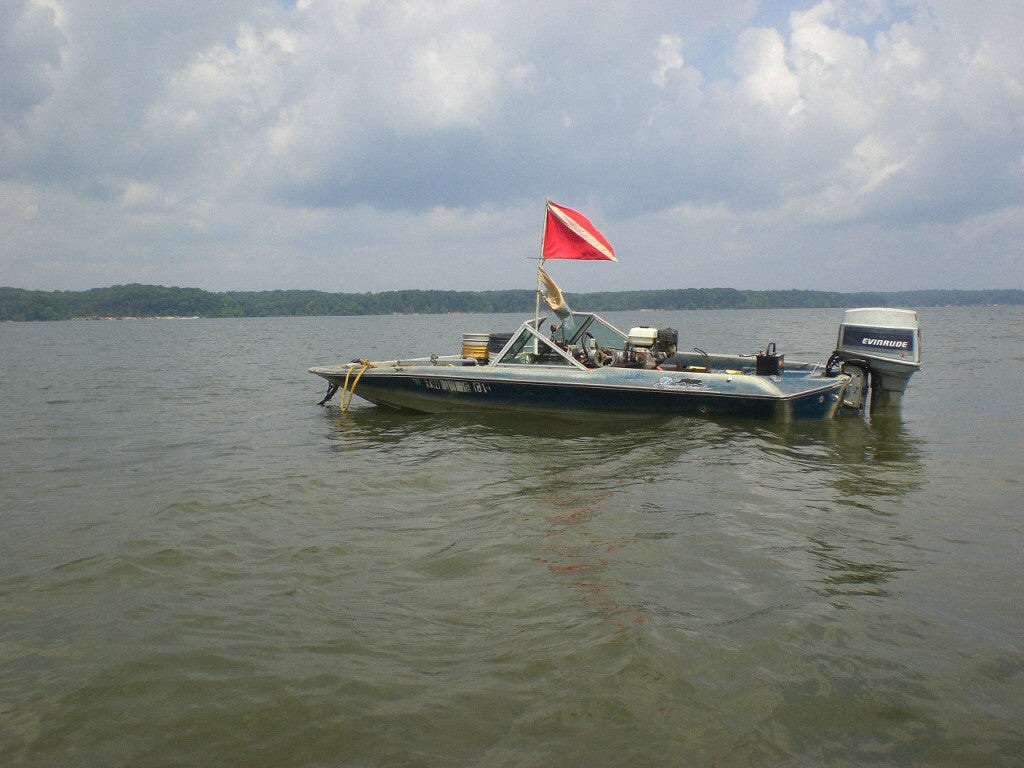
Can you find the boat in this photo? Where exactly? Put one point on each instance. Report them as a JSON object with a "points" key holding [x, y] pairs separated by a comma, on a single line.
{"points": [[578, 365], [595, 368]]}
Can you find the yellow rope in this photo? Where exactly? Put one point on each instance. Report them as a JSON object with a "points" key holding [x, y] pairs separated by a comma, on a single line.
{"points": [[350, 393]]}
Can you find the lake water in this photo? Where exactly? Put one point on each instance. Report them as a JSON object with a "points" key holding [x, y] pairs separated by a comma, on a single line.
{"points": [[199, 566]]}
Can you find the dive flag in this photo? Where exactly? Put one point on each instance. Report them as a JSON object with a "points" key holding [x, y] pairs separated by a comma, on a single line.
{"points": [[568, 234]]}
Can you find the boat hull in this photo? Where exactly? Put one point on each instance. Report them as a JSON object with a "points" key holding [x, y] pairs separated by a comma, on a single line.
{"points": [[629, 394]]}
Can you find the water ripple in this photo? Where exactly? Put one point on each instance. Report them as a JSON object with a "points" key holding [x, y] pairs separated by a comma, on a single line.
{"points": [[198, 566]]}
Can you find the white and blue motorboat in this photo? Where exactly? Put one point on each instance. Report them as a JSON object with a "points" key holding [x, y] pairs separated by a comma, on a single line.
{"points": [[583, 365]]}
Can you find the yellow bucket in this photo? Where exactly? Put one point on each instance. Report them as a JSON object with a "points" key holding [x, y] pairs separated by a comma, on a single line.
{"points": [[474, 345]]}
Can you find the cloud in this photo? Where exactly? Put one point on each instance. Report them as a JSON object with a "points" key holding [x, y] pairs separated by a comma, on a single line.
{"points": [[669, 57], [31, 54], [859, 128], [764, 74], [251, 143]]}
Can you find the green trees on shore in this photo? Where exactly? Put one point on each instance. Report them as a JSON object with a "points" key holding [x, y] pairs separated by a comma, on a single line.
{"points": [[137, 300]]}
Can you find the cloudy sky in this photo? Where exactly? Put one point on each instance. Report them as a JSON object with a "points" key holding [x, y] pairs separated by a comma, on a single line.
{"points": [[350, 145]]}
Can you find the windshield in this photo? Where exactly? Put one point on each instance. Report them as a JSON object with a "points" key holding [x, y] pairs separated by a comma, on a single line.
{"points": [[529, 349], [594, 331], [588, 343]]}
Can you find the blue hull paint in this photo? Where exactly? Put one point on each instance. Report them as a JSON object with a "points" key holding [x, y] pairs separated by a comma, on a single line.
{"points": [[597, 370], [431, 392]]}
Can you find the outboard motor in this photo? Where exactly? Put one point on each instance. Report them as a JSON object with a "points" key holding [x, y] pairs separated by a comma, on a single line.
{"points": [[879, 348]]}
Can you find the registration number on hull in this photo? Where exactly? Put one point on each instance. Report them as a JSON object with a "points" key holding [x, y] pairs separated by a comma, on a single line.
{"points": [[448, 385]]}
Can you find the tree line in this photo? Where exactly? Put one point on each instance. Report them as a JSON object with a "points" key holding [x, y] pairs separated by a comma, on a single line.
{"points": [[136, 300]]}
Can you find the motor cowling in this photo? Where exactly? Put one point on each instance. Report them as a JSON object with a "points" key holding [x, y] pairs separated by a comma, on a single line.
{"points": [[885, 344]]}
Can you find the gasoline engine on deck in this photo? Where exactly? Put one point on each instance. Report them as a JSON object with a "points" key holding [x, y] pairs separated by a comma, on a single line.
{"points": [[649, 347]]}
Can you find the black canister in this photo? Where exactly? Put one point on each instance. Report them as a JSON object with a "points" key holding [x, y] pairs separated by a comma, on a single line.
{"points": [[768, 362], [497, 341]]}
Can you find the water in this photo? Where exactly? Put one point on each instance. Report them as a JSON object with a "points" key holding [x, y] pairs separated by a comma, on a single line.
{"points": [[198, 566]]}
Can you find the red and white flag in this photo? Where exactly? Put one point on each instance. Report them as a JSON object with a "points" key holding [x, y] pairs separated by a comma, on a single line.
{"points": [[568, 234]]}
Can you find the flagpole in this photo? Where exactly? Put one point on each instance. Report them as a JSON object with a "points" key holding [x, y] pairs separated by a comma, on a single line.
{"points": [[536, 308], [543, 231]]}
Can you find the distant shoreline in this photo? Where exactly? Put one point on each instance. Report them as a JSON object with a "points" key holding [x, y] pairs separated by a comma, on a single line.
{"points": [[134, 317], [136, 301]]}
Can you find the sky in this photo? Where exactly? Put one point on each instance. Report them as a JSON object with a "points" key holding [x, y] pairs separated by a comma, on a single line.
{"points": [[349, 145]]}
